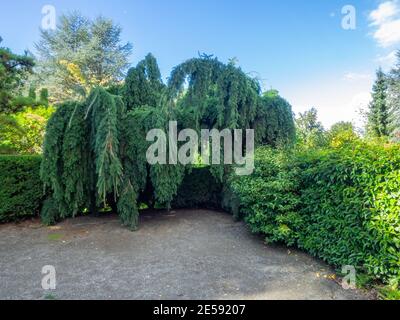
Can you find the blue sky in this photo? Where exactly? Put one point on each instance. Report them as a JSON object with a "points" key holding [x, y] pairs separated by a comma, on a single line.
{"points": [[295, 46]]}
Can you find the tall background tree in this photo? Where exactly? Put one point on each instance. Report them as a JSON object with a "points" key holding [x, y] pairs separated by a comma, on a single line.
{"points": [[79, 55], [310, 132], [378, 113], [14, 71], [23, 115]]}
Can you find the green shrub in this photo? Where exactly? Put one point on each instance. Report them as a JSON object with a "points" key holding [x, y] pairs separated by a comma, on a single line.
{"points": [[21, 190], [340, 204], [351, 207], [269, 199], [22, 132]]}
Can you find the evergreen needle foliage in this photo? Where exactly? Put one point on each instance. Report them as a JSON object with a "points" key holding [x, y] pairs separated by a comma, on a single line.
{"points": [[379, 116], [95, 151]]}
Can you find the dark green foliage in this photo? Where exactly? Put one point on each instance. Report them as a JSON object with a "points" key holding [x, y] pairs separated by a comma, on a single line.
{"points": [[76, 159], [81, 158], [199, 189], [341, 205], [95, 151], [21, 190], [351, 205], [274, 123], [14, 70], [105, 141], [165, 178], [269, 198], [50, 213], [127, 206], [205, 93], [52, 168], [378, 114], [143, 84], [217, 95]]}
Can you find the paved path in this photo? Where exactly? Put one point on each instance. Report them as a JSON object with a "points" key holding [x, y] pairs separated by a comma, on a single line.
{"points": [[188, 254]]}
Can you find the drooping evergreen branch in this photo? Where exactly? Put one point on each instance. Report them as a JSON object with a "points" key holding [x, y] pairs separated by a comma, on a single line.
{"points": [[95, 151]]}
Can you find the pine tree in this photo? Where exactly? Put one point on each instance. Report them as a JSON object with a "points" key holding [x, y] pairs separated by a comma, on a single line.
{"points": [[14, 70], [378, 115]]}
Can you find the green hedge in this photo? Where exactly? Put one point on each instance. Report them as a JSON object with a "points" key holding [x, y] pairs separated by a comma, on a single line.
{"points": [[342, 205], [21, 190]]}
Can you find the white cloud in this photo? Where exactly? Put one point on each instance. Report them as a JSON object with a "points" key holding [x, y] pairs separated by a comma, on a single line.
{"points": [[388, 34], [388, 60], [386, 20], [360, 100], [385, 11]]}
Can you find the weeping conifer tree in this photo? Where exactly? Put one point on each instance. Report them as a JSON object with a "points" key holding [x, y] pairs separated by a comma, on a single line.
{"points": [[95, 151], [82, 156]]}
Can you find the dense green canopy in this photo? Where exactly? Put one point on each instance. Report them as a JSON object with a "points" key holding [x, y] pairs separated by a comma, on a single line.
{"points": [[95, 151], [14, 69]]}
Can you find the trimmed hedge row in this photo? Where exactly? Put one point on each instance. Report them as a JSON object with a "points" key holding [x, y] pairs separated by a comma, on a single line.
{"points": [[342, 205], [21, 191]]}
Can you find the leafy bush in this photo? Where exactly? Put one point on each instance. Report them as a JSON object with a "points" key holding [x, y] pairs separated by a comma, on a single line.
{"points": [[269, 198], [340, 204], [351, 207], [21, 190], [23, 132]]}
